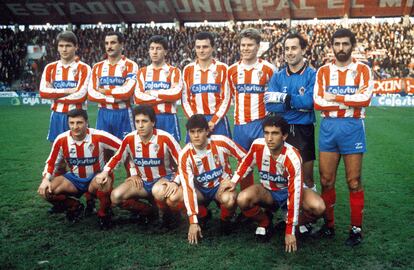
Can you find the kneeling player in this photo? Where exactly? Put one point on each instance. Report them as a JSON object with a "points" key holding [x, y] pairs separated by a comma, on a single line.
{"points": [[82, 148], [280, 169], [203, 164], [153, 152]]}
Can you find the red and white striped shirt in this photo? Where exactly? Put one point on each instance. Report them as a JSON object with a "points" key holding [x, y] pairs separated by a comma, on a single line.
{"points": [[84, 158], [63, 77], [205, 168], [248, 85], [206, 91], [165, 85], [352, 85], [276, 174], [118, 80], [152, 160]]}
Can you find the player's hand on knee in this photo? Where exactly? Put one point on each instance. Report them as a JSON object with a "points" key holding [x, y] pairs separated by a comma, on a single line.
{"points": [[290, 243], [102, 178], [136, 181], [170, 189], [45, 187], [194, 232], [227, 185]]}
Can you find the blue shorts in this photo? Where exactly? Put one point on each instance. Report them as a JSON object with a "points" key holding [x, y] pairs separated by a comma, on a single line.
{"points": [[245, 134], [81, 184], [58, 124], [169, 122], [280, 198], [221, 128], [148, 185], [117, 122], [342, 135], [209, 194]]}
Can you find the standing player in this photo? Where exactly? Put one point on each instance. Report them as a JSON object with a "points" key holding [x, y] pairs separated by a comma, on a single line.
{"points": [[152, 152], [160, 84], [280, 169], [112, 86], [203, 164], [290, 95], [83, 150], [248, 79], [205, 86], [342, 89], [65, 82]]}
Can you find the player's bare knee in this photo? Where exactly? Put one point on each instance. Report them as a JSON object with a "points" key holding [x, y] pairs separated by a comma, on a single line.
{"points": [[243, 200], [319, 208], [327, 182], [158, 192], [354, 184], [228, 199], [116, 197]]}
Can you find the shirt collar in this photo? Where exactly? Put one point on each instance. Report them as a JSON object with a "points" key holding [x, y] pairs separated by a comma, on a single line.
{"points": [[299, 72], [205, 151], [87, 139], [212, 66], [121, 61], [351, 66], [154, 134], [266, 152], [164, 67], [254, 66]]}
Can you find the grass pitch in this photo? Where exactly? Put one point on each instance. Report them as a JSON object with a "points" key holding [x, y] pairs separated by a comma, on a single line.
{"points": [[32, 239]]}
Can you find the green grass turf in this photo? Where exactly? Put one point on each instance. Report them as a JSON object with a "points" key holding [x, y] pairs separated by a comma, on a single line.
{"points": [[31, 239]]}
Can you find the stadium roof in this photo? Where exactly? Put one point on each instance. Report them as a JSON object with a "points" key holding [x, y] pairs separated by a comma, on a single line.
{"points": [[129, 11]]}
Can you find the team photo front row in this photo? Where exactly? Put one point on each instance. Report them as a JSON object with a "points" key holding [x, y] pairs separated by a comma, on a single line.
{"points": [[172, 179]]}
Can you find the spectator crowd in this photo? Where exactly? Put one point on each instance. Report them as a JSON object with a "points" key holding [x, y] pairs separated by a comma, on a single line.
{"points": [[388, 48]]}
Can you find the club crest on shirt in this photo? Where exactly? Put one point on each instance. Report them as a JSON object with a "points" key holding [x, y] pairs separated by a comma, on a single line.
{"points": [[353, 74], [266, 162], [215, 74], [156, 148], [91, 147], [259, 74], [284, 89], [72, 151], [138, 148], [216, 160], [301, 91], [166, 73]]}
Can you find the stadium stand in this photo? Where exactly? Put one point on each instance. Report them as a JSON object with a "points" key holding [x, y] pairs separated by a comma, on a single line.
{"points": [[388, 48]]}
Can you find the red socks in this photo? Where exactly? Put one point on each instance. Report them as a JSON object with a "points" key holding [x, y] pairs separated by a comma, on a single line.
{"points": [[202, 211], [329, 197], [257, 214], [104, 202], [136, 206], [356, 201], [225, 214]]}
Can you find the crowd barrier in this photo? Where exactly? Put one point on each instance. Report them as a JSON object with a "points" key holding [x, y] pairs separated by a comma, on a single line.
{"points": [[391, 99]]}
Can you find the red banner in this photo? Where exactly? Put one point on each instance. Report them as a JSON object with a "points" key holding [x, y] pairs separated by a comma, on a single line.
{"points": [[116, 11], [394, 85]]}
